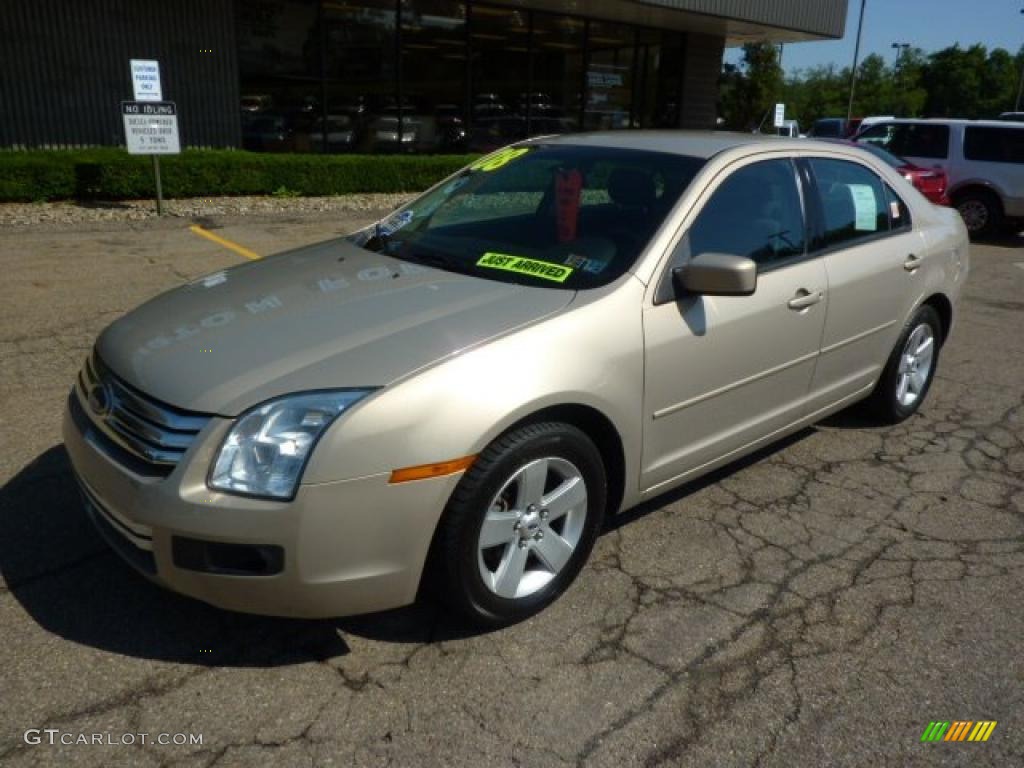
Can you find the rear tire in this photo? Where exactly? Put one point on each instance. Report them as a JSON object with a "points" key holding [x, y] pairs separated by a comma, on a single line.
{"points": [[521, 523], [981, 211], [909, 371]]}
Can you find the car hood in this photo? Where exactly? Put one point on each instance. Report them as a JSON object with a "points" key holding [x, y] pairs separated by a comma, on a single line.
{"points": [[328, 315]]}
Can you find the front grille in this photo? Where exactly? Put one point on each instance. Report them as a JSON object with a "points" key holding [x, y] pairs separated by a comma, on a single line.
{"points": [[147, 429]]}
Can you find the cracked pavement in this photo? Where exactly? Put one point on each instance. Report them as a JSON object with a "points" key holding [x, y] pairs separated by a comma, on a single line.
{"points": [[814, 605]]}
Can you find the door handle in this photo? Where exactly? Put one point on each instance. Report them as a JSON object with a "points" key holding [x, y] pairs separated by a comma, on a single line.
{"points": [[805, 299], [912, 262]]}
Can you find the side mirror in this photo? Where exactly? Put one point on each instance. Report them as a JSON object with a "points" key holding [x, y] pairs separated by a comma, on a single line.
{"points": [[716, 274]]}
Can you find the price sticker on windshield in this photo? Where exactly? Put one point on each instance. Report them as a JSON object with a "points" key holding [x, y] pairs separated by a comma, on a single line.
{"points": [[498, 159], [545, 270]]}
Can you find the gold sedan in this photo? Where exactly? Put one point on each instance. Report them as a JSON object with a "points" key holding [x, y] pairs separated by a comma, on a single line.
{"points": [[561, 330]]}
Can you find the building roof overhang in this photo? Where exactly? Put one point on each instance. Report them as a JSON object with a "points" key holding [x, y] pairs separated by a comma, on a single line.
{"points": [[738, 21]]}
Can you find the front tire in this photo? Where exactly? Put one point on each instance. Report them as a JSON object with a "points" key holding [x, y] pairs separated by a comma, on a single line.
{"points": [[909, 371], [521, 523]]}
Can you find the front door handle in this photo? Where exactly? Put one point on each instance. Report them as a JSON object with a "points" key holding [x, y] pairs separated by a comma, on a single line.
{"points": [[805, 299], [912, 262]]}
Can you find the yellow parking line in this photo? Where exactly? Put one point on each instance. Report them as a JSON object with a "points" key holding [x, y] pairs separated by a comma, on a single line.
{"points": [[241, 250]]}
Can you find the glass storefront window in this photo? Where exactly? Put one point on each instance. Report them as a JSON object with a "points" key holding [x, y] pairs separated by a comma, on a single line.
{"points": [[443, 75], [661, 87], [499, 68], [611, 69], [433, 77], [361, 69], [278, 59], [554, 103]]}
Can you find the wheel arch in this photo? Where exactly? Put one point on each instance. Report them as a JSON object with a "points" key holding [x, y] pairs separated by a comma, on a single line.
{"points": [[944, 307], [589, 420], [600, 429], [975, 185]]}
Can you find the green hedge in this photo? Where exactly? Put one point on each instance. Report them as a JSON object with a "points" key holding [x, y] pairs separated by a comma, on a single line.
{"points": [[113, 174]]}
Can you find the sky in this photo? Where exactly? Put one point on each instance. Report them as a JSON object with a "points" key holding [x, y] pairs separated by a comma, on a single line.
{"points": [[927, 24]]}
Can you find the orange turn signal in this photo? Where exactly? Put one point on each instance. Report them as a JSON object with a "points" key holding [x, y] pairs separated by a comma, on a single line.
{"points": [[426, 471]]}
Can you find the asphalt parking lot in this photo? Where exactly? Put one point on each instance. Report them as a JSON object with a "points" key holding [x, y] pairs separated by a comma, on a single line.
{"points": [[816, 605]]}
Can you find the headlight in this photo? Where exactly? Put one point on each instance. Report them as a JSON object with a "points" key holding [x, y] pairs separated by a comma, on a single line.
{"points": [[267, 449]]}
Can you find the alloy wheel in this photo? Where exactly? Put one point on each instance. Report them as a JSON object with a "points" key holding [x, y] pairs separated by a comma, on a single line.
{"points": [[975, 215], [915, 365], [532, 527]]}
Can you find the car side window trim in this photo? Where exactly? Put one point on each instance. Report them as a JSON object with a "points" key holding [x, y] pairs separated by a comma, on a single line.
{"points": [[813, 212]]}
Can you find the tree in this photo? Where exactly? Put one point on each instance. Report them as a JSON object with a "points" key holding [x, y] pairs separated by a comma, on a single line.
{"points": [[953, 81], [909, 96], [749, 91], [998, 83], [1018, 62], [817, 92], [875, 92], [764, 77], [731, 84]]}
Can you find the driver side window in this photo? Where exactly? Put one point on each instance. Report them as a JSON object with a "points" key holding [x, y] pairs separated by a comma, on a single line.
{"points": [[756, 213]]}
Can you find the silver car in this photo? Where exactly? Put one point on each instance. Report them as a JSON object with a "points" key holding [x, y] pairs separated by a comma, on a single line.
{"points": [[468, 388]]}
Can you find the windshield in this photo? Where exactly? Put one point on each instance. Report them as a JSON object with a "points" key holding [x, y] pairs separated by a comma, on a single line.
{"points": [[551, 215]]}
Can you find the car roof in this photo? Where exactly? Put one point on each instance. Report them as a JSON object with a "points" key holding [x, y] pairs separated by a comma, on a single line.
{"points": [[703, 144], [947, 121]]}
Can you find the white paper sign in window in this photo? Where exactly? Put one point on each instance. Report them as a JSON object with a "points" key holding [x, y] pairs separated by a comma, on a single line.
{"points": [[865, 207]]}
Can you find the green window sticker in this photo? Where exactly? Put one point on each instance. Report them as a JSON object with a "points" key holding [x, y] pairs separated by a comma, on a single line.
{"points": [[499, 159], [545, 270]]}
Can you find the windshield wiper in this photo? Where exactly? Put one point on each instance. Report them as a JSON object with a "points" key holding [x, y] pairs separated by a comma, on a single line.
{"points": [[438, 260], [378, 241]]}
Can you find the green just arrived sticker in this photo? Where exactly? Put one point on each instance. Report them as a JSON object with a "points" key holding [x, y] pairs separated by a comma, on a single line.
{"points": [[545, 270]]}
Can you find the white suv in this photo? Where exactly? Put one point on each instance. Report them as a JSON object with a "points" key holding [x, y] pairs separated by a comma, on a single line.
{"points": [[983, 159]]}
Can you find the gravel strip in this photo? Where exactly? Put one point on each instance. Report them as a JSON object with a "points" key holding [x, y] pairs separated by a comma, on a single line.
{"points": [[21, 215]]}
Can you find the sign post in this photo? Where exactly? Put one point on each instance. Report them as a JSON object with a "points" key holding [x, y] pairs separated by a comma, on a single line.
{"points": [[150, 124], [159, 186]]}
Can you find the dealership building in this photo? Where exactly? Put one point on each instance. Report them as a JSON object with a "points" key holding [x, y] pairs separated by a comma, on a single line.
{"points": [[379, 75]]}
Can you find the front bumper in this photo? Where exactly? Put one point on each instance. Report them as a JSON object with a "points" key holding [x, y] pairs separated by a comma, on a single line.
{"points": [[338, 548]]}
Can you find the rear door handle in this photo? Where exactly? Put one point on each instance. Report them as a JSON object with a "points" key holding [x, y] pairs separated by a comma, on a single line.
{"points": [[912, 262], [805, 299]]}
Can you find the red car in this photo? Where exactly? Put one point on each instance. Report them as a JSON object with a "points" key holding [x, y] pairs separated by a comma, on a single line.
{"points": [[930, 182]]}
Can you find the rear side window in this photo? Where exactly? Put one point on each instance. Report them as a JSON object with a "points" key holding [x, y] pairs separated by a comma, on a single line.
{"points": [[756, 213], [994, 145], [910, 139], [853, 202]]}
